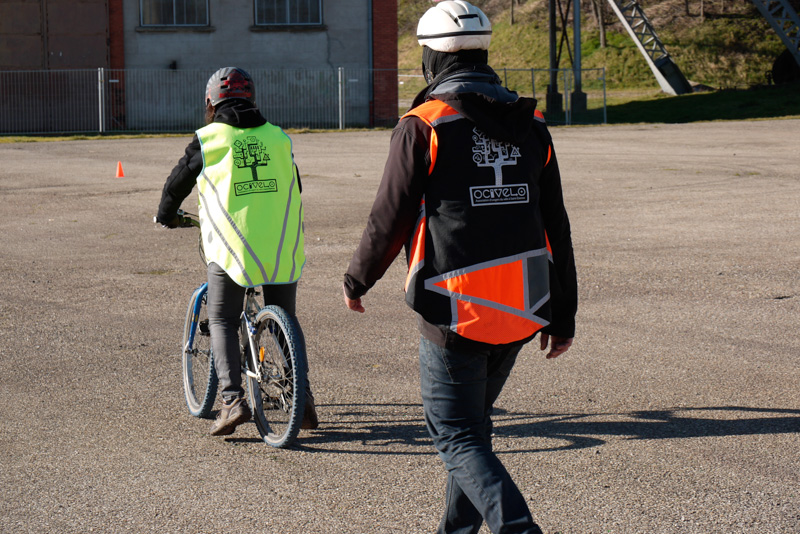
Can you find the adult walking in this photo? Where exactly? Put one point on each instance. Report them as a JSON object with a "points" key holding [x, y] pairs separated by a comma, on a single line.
{"points": [[472, 190]]}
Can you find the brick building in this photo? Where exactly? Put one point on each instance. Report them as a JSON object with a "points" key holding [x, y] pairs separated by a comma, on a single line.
{"points": [[202, 35]]}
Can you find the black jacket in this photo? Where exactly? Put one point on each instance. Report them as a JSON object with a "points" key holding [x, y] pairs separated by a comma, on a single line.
{"points": [[479, 97]]}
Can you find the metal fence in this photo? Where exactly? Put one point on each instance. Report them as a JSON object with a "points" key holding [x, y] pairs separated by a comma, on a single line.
{"points": [[144, 100], [535, 83]]}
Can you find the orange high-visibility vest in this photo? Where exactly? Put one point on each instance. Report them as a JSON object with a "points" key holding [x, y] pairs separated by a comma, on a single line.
{"points": [[479, 257]]}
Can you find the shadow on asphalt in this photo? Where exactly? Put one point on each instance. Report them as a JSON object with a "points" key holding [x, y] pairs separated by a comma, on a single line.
{"points": [[592, 430], [400, 429]]}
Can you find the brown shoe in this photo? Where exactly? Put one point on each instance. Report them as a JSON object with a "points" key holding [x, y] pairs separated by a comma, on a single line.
{"points": [[230, 416], [310, 420]]}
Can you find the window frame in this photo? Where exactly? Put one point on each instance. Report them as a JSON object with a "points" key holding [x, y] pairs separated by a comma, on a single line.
{"points": [[287, 23], [205, 24]]}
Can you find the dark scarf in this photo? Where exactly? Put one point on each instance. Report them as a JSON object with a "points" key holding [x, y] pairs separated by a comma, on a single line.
{"points": [[437, 66]]}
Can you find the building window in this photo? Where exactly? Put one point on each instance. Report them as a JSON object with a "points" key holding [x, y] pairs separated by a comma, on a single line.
{"points": [[174, 12], [288, 12]]}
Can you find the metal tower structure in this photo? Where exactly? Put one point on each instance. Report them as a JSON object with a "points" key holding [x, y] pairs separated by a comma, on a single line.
{"points": [[784, 21], [779, 13], [578, 97], [669, 76]]}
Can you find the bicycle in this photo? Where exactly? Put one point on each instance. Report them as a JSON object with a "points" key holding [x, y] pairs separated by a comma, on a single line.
{"points": [[273, 361]]}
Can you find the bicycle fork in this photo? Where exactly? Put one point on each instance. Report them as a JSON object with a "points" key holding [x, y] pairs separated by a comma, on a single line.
{"points": [[251, 334]]}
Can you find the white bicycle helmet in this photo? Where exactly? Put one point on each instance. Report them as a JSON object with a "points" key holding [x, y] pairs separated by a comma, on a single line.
{"points": [[454, 25]]}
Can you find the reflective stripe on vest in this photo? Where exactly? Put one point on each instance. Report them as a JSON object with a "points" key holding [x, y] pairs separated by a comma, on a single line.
{"points": [[495, 301], [251, 213], [416, 258]]}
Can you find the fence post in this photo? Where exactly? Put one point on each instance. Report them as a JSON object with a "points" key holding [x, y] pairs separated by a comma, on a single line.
{"points": [[605, 108], [341, 98], [101, 101], [567, 106]]}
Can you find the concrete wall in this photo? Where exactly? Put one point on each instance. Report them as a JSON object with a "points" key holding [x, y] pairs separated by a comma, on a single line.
{"points": [[232, 39]]}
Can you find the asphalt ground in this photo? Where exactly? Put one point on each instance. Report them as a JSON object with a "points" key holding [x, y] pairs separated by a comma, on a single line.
{"points": [[676, 410]]}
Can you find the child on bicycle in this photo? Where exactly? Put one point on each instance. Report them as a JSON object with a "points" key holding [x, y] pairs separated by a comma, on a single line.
{"points": [[251, 220]]}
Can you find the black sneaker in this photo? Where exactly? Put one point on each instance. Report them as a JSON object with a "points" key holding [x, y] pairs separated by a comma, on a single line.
{"points": [[230, 416]]}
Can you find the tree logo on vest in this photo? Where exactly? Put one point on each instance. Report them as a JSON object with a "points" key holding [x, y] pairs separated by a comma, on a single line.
{"points": [[252, 154], [495, 154]]}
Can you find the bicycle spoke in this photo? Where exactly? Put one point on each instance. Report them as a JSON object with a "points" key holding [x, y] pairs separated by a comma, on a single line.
{"points": [[278, 405]]}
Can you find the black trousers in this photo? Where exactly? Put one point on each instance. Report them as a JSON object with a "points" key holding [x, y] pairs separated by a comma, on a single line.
{"points": [[225, 305]]}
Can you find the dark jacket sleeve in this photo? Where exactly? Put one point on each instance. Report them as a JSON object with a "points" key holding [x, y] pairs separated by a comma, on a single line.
{"points": [[180, 182], [297, 172], [395, 210], [563, 278]]}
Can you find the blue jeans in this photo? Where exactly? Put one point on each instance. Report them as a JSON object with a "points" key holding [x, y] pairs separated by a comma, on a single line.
{"points": [[459, 388]]}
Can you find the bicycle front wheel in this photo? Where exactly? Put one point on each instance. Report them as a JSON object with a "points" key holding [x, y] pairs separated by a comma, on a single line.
{"points": [[278, 397], [199, 377]]}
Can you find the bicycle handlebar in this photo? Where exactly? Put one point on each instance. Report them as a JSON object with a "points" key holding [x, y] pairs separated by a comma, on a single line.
{"points": [[188, 219], [185, 219]]}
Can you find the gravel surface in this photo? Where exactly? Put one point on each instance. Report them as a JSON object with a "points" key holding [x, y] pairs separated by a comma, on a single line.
{"points": [[677, 409]]}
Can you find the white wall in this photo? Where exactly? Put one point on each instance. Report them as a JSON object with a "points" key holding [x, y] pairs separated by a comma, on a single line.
{"points": [[231, 41]]}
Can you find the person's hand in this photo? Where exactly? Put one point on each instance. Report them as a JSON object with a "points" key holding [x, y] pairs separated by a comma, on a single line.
{"points": [[174, 223], [558, 345], [353, 304]]}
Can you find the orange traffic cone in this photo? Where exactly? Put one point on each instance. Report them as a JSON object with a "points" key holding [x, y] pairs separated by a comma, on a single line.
{"points": [[120, 174]]}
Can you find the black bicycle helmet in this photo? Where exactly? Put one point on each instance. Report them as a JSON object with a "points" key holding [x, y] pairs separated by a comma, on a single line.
{"points": [[228, 83]]}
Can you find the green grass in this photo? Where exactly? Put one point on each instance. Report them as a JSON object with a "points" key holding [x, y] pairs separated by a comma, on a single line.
{"points": [[732, 47], [733, 104], [731, 51]]}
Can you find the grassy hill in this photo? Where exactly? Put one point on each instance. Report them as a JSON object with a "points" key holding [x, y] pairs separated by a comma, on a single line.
{"points": [[730, 49]]}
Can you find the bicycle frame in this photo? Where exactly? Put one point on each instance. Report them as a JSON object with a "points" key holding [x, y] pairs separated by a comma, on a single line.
{"points": [[248, 316]]}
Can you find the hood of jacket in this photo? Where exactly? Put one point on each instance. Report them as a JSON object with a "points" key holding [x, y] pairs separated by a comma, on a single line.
{"points": [[478, 95], [238, 113]]}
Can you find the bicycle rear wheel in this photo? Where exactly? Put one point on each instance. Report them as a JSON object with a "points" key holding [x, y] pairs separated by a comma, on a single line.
{"points": [[278, 399], [199, 377]]}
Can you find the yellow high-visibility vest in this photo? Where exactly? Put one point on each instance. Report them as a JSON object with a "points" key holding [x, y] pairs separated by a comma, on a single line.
{"points": [[251, 214]]}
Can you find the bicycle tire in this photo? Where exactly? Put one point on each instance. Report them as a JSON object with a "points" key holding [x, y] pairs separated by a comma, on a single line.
{"points": [[278, 400], [199, 376]]}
